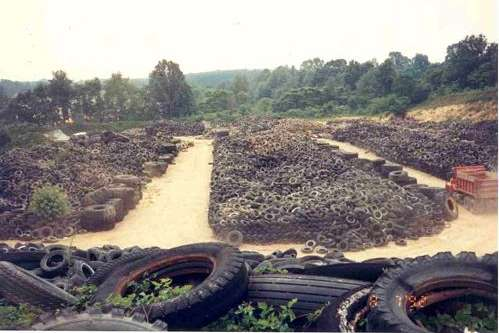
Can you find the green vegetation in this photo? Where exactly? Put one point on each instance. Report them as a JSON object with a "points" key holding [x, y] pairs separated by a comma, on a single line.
{"points": [[17, 317], [269, 269], [49, 202], [148, 292], [260, 318], [84, 295], [317, 88], [476, 317]]}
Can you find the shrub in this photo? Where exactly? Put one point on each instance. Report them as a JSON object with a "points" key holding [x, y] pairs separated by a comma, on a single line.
{"points": [[49, 202], [17, 317], [260, 318]]}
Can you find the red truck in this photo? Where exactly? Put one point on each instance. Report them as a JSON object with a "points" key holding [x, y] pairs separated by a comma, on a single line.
{"points": [[474, 187]]}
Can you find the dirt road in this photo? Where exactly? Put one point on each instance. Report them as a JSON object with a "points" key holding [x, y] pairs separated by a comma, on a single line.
{"points": [[174, 210]]}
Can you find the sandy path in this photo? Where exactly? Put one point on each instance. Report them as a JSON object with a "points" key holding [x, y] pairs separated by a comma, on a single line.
{"points": [[174, 210], [469, 232]]}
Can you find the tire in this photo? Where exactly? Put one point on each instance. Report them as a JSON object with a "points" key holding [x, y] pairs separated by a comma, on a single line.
{"points": [[422, 275], [26, 260], [234, 238], [98, 217], [124, 193], [20, 286], [98, 322], [130, 180], [368, 272], [119, 207], [336, 317], [55, 263], [449, 206], [312, 292], [106, 269], [223, 288]]}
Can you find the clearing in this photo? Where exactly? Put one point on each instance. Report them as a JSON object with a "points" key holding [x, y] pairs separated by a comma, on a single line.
{"points": [[174, 211]]}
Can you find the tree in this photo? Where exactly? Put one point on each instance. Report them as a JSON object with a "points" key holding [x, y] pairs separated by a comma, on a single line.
{"points": [[119, 94], [218, 100], [170, 94], [61, 93], [463, 58], [88, 102]]}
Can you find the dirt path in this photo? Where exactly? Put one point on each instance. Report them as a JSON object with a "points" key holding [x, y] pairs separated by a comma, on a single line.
{"points": [[174, 211], [469, 232]]}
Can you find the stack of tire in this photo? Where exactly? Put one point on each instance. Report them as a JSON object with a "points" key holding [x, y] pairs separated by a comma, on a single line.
{"points": [[108, 205], [384, 292]]}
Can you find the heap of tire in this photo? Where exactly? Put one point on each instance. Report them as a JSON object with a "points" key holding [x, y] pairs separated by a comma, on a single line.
{"points": [[384, 291], [274, 183], [431, 147], [82, 166]]}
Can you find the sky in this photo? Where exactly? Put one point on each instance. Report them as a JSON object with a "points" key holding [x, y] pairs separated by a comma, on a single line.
{"points": [[91, 38]]}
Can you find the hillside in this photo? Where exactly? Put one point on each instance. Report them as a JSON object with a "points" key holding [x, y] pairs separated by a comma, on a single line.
{"points": [[470, 105]]}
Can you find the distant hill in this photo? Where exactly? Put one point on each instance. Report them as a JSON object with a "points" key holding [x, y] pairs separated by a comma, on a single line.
{"points": [[214, 78], [207, 79], [11, 88]]}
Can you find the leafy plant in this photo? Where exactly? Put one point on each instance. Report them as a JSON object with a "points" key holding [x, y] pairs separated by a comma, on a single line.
{"points": [[268, 268], [148, 292], [256, 318], [84, 294], [49, 202], [16, 317], [476, 317]]}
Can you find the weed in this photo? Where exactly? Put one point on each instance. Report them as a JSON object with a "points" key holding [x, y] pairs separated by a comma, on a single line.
{"points": [[148, 292], [84, 294], [268, 268], [17, 317], [260, 317], [475, 317]]}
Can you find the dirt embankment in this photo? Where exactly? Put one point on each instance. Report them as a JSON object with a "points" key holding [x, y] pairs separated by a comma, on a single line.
{"points": [[473, 106]]}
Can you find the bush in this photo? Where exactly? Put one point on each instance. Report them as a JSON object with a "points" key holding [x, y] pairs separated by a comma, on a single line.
{"points": [[260, 318], [49, 202], [390, 103]]}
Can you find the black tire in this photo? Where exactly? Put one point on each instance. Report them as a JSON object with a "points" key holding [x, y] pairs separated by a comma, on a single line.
{"points": [[98, 217], [234, 238], [55, 263], [369, 272], [103, 271], [98, 322], [20, 286], [312, 292], [337, 316], [223, 288], [26, 260], [394, 290], [449, 206]]}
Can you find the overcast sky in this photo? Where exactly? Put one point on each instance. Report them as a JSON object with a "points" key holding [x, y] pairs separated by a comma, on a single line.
{"points": [[90, 38]]}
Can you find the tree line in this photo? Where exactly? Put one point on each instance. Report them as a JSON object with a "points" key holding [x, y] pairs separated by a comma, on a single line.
{"points": [[320, 88], [61, 100], [316, 88]]}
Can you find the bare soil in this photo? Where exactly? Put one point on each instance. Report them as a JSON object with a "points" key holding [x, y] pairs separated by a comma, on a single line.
{"points": [[174, 211], [475, 111]]}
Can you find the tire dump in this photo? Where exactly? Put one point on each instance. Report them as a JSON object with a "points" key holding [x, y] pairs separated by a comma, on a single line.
{"points": [[273, 181]]}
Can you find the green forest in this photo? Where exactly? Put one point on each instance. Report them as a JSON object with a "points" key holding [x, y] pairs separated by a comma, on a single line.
{"points": [[318, 88]]}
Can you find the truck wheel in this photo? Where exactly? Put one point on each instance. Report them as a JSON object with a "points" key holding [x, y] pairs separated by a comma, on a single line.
{"points": [[312, 292], [219, 267], [98, 322], [450, 208], [427, 280]]}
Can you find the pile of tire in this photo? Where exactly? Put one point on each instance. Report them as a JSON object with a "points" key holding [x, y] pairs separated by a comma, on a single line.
{"points": [[81, 166], [278, 184], [431, 147], [384, 291]]}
